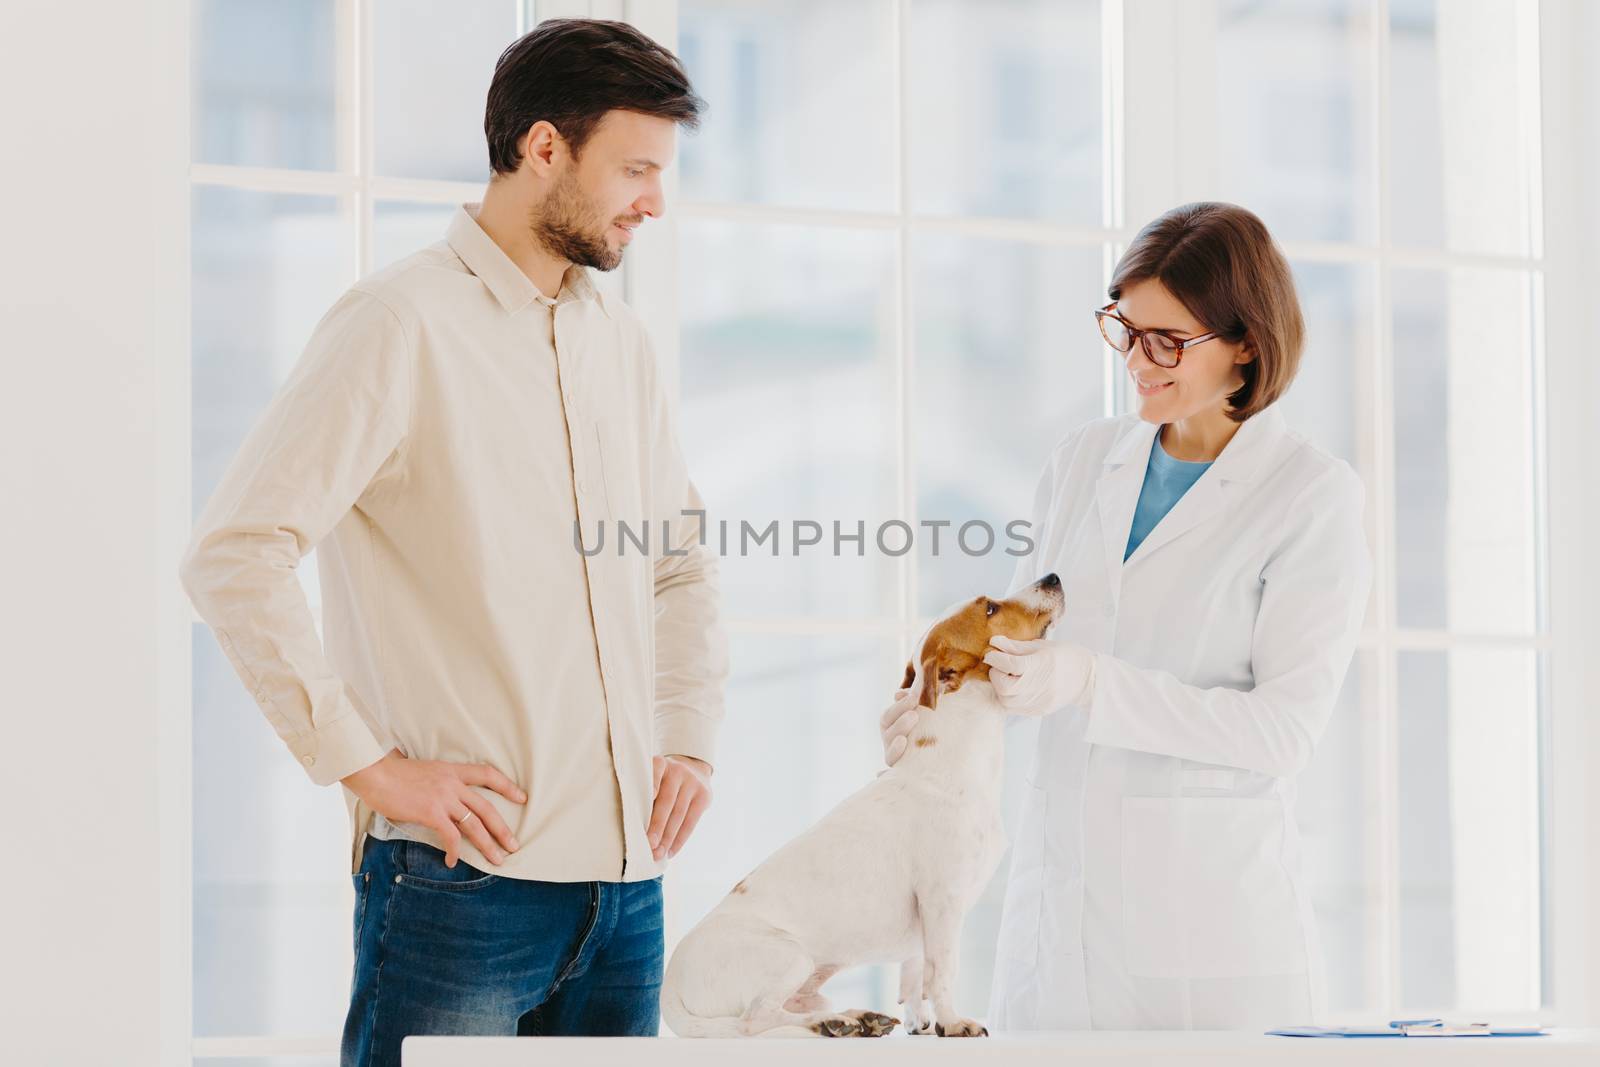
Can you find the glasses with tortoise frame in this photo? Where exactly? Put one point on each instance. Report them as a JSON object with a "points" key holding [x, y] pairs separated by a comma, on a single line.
{"points": [[1163, 349]]}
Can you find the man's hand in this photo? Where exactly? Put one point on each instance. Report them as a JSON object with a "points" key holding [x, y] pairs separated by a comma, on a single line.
{"points": [[440, 796], [683, 792]]}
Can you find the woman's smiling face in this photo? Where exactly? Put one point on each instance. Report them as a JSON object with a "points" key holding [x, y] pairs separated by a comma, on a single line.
{"points": [[1205, 377]]}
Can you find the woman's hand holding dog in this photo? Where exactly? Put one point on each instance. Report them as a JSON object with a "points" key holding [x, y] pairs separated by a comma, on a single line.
{"points": [[1037, 677], [896, 724]]}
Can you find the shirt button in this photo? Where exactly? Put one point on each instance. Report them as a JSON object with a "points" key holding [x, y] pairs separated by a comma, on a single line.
{"points": [[309, 761], [582, 486]]}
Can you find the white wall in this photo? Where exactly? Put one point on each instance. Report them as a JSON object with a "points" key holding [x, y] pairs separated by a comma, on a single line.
{"points": [[1571, 90], [94, 430]]}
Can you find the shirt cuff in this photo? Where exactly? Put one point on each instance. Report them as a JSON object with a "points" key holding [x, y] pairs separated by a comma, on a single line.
{"points": [[1086, 695], [686, 734], [342, 747], [1103, 722]]}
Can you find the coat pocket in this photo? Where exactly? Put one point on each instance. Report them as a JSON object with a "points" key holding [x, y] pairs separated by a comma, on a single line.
{"points": [[1204, 890], [1018, 941]]}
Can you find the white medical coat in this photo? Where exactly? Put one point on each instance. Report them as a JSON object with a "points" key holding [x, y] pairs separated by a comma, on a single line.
{"points": [[1155, 880]]}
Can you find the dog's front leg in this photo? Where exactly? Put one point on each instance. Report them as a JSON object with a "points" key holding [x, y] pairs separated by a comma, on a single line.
{"points": [[941, 948], [918, 1020]]}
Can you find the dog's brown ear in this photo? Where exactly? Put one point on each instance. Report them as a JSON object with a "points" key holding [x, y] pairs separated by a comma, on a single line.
{"points": [[930, 683], [943, 672], [911, 675]]}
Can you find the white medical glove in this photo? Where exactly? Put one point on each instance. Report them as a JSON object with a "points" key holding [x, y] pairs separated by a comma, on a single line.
{"points": [[896, 724], [1038, 677]]}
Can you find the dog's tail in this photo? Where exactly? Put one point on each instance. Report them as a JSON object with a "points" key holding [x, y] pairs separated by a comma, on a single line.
{"points": [[681, 1021]]}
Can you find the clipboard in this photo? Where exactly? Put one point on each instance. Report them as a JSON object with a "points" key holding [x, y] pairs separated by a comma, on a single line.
{"points": [[1412, 1028]]}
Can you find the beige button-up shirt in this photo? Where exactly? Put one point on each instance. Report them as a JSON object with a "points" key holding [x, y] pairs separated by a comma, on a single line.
{"points": [[446, 435]]}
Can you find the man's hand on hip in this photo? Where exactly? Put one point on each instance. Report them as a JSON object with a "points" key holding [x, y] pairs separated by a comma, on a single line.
{"points": [[683, 792], [442, 797]]}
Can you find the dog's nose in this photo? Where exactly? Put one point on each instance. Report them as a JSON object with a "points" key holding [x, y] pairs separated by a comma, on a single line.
{"points": [[1050, 581]]}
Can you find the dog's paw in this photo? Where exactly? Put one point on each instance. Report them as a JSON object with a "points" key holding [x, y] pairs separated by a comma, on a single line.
{"points": [[876, 1024], [962, 1028], [918, 1027], [837, 1026]]}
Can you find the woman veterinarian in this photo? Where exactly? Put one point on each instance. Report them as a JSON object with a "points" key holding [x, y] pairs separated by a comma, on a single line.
{"points": [[1216, 574]]}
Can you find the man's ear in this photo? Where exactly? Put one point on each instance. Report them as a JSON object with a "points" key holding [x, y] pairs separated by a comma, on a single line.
{"points": [[540, 144]]}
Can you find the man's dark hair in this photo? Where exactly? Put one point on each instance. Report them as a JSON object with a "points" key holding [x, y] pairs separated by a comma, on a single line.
{"points": [[570, 72]]}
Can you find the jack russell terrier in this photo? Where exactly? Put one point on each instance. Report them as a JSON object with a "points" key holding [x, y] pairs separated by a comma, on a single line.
{"points": [[885, 877]]}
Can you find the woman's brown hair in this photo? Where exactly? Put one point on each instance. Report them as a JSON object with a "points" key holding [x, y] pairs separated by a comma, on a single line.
{"points": [[1222, 264]]}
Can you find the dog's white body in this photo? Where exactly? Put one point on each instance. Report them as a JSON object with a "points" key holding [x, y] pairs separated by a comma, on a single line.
{"points": [[887, 876]]}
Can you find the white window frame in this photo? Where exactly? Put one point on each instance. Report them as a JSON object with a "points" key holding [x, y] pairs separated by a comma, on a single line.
{"points": [[1139, 183]]}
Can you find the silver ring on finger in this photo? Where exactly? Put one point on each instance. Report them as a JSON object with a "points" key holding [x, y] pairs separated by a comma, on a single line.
{"points": [[463, 820]]}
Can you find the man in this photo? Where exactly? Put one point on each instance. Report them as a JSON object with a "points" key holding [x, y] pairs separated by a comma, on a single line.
{"points": [[524, 731]]}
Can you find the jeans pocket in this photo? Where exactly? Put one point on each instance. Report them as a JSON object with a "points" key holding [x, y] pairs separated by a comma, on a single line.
{"points": [[362, 880], [422, 867]]}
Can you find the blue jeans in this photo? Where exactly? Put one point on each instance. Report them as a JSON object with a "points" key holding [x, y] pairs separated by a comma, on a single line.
{"points": [[442, 951]]}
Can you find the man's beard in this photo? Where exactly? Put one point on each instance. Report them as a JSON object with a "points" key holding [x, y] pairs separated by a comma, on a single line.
{"points": [[566, 224]]}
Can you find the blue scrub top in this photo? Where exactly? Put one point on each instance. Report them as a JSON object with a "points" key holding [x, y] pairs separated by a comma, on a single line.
{"points": [[1165, 481]]}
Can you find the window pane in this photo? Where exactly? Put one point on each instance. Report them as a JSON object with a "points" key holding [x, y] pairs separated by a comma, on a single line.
{"points": [[1469, 829], [271, 903], [1328, 400], [787, 398], [800, 96], [1464, 463], [1341, 830], [1008, 360], [428, 99], [399, 229], [1004, 109], [272, 899], [264, 83], [801, 735], [1458, 167], [1293, 115], [266, 267]]}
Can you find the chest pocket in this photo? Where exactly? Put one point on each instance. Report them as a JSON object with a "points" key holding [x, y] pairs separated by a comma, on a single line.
{"points": [[622, 473], [1088, 614]]}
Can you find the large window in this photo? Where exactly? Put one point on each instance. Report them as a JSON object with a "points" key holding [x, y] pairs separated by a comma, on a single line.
{"points": [[874, 285], [891, 231]]}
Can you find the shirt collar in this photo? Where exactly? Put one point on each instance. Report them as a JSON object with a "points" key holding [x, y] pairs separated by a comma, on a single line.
{"points": [[512, 288], [1251, 445]]}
